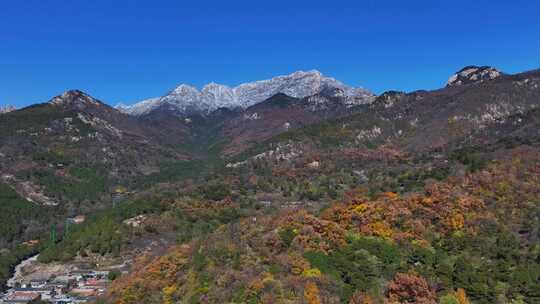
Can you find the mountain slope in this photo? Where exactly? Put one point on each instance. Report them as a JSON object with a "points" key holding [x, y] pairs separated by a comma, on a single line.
{"points": [[424, 121], [459, 238], [76, 148], [282, 113]]}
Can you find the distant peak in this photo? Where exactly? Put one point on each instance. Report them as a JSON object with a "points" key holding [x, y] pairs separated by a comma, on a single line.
{"points": [[184, 87], [388, 99], [392, 94], [310, 72], [74, 97], [75, 94], [214, 85], [6, 109], [473, 74]]}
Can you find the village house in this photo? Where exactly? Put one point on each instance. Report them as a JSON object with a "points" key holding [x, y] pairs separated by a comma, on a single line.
{"points": [[36, 284], [44, 293], [21, 296]]}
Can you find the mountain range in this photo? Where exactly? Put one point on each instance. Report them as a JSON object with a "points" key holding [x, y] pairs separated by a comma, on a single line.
{"points": [[186, 99], [44, 142], [298, 185], [140, 142]]}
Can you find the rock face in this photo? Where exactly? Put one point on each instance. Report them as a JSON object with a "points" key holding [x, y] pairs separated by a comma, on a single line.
{"points": [[473, 74], [388, 99], [76, 99], [188, 100]]}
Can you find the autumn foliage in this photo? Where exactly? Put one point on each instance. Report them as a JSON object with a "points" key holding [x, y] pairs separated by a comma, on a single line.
{"points": [[311, 293], [462, 240], [406, 288], [443, 207]]}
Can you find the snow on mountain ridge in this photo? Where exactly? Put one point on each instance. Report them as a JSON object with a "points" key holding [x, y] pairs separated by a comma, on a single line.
{"points": [[218, 92], [7, 109], [140, 107], [188, 99]]}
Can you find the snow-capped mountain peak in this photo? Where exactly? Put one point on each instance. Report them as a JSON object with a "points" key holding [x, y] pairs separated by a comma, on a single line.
{"points": [[188, 99], [6, 109], [185, 89], [139, 108], [218, 95]]}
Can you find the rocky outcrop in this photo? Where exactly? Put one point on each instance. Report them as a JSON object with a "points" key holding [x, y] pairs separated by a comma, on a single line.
{"points": [[473, 74]]}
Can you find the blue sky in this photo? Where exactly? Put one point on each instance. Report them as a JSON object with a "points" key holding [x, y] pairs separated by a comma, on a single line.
{"points": [[124, 51]]}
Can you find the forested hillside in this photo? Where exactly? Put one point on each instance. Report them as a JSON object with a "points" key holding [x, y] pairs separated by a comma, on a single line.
{"points": [[469, 238], [421, 197]]}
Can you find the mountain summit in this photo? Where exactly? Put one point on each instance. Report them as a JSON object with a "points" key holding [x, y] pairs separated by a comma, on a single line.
{"points": [[7, 109], [473, 74], [75, 98], [187, 99]]}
